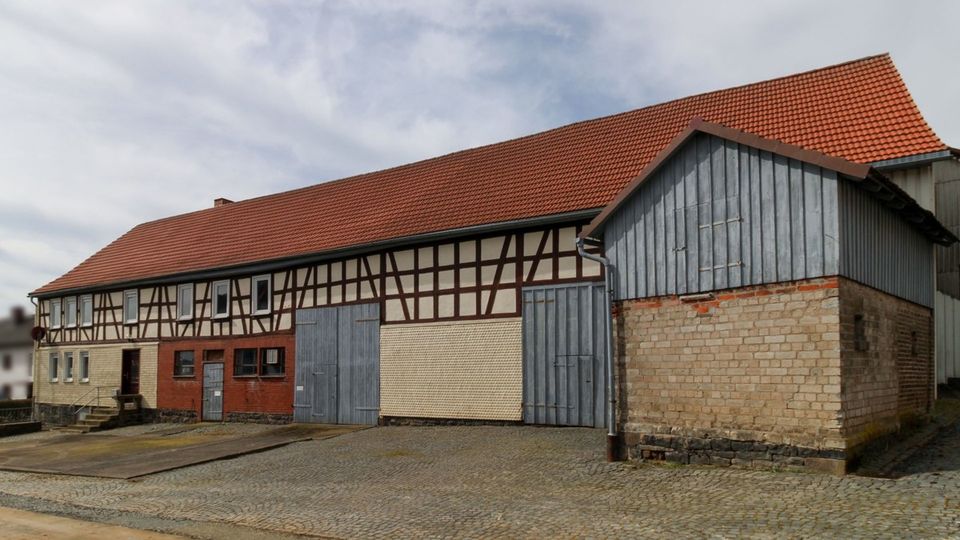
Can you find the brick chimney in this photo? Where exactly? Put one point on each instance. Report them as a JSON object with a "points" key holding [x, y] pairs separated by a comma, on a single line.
{"points": [[217, 203]]}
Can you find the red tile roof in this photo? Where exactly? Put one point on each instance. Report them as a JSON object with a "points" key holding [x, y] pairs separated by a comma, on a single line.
{"points": [[860, 111]]}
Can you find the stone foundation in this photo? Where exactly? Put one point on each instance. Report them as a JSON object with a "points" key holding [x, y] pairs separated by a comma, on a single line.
{"points": [[53, 414], [258, 418], [416, 421], [177, 416]]}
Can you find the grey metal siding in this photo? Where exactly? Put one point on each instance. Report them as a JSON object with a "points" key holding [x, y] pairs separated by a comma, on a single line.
{"points": [[880, 249], [719, 215], [947, 176]]}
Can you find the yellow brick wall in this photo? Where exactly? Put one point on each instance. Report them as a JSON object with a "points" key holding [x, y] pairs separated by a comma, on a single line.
{"points": [[759, 363], [466, 370], [105, 366]]}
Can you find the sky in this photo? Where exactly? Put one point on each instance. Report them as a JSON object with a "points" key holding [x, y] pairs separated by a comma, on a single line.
{"points": [[116, 113]]}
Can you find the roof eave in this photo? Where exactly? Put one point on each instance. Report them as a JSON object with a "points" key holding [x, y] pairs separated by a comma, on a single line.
{"points": [[250, 268]]}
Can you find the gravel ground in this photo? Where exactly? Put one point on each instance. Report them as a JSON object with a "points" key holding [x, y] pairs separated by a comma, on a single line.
{"points": [[508, 482]]}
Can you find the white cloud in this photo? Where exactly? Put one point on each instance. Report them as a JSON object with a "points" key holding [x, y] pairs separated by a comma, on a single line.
{"points": [[117, 112]]}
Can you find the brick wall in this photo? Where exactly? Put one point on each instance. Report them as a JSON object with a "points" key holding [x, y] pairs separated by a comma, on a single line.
{"points": [[244, 398], [888, 373], [749, 376]]}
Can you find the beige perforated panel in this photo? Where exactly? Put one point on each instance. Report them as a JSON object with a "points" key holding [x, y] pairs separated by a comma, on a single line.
{"points": [[468, 370]]}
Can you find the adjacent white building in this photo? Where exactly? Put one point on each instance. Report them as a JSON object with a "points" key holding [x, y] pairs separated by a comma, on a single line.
{"points": [[16, 356]]}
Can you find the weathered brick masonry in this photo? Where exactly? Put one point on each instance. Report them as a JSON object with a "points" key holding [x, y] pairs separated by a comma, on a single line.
{"points": [[767, 374], [251, 398], [888, 379]]}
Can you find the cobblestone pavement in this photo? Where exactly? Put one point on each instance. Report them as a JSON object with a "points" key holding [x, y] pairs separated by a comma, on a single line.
{"points": [[511, 482]]}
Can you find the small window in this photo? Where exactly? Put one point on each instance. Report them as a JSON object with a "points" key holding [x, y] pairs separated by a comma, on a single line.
{"points": [[261, 295], [55, 313], [84, 366], [914, 345], [7, 362], [271, 362], [221, 299], [183, 364], [86, 310], [70, 312], [30, 363], [68, 367], [131, 307], [5, 392], [185, 301], [244, 362], [54, 367], [860, 342]]}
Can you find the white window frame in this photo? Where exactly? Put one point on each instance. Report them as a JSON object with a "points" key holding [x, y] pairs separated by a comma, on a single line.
{"points": [[213, 300], [53, 367], [86, 299], [136, 312], [180, 315], [70, 312], [56, 313], [253, 294], [84, 366], [68, 366]]}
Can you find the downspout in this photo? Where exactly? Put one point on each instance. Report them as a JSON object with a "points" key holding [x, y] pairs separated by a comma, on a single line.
{"points": [[613, 439]]}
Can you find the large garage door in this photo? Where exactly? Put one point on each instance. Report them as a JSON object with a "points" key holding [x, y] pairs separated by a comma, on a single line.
{"points": [[563, 368], [338, 365]]}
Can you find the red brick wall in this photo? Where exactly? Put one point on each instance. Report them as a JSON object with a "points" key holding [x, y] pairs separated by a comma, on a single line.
{"points": [[272, 395]]}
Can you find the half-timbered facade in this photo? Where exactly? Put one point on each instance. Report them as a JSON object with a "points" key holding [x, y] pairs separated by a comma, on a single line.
{"points": [[452, 288]]}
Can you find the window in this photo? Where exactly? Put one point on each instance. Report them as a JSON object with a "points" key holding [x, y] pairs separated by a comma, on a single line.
{"points": [[185, 302], [54, 367], [914, 344], [860, 342], [271, 362], [131, 307], [86, 310], [261, 295], [244, 362], [221, 299], [7, 362], [68, 367], [70, 312], [30, 363], [84, 366], [55, 313], [5, 392], [183, 364]]}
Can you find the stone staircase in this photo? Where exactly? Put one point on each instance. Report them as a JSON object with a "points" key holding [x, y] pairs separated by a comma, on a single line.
{"points": [[98, 419]]}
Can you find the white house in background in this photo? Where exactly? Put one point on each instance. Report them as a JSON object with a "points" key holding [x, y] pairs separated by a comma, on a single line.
{"points": [[16, 356]]}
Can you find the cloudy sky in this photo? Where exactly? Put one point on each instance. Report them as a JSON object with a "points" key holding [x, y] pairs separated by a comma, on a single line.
{"points": [[115, 113]]}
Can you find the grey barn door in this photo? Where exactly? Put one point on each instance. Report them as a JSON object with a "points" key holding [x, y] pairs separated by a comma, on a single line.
{"points": [[213, 392], [338, 365], [563, 369]]}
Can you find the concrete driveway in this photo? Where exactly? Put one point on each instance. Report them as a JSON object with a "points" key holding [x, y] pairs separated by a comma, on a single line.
{"points": [[137, 452]]}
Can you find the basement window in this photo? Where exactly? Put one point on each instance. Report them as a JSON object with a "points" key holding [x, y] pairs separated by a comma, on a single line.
{"points": [[131, 307], [860, 342], [68, 367], [271, 362], [84, 366], [86, 310], [261, 295], [184, 364], [185, 301], [244, 362], [54, 367], [221, 299]]}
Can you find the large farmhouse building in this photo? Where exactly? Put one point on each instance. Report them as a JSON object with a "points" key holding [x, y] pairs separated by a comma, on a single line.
{"points": [[770, 251]]}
